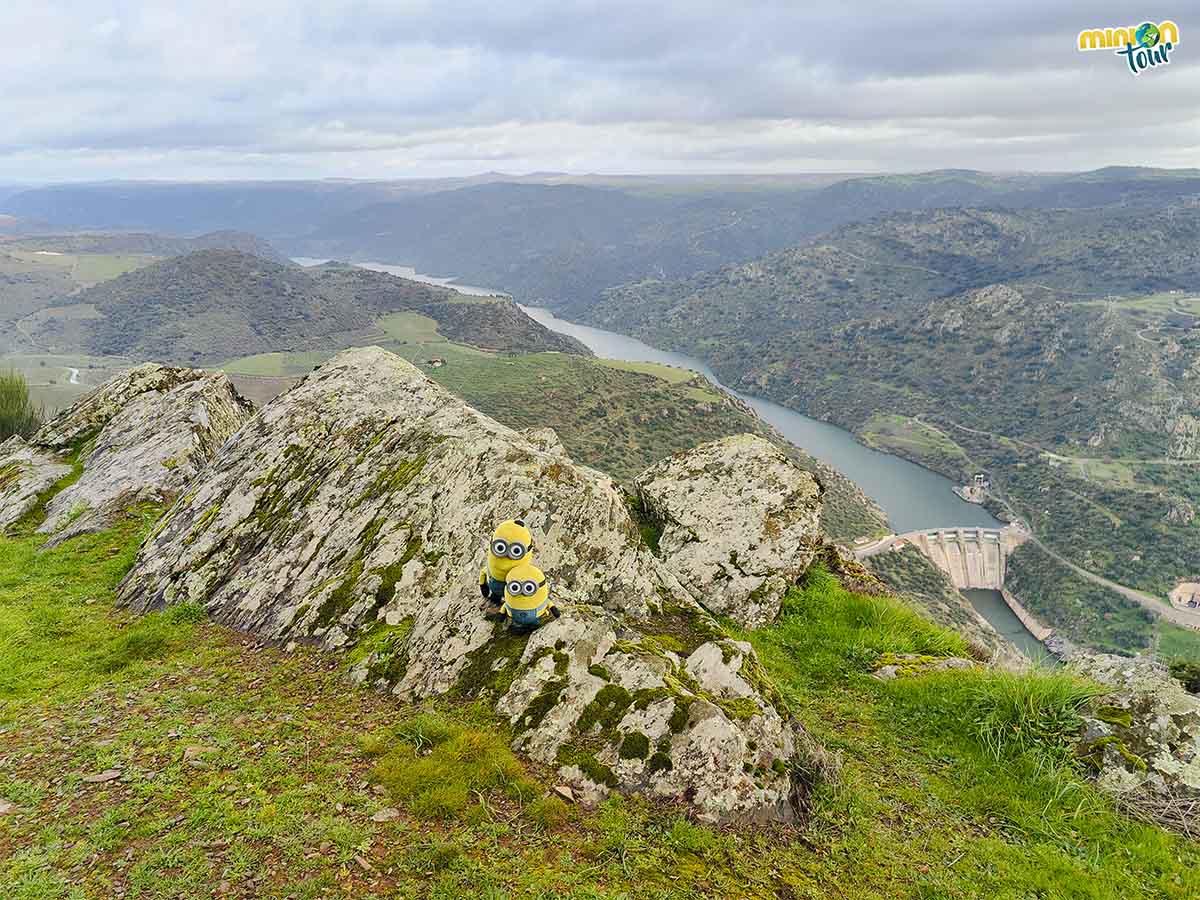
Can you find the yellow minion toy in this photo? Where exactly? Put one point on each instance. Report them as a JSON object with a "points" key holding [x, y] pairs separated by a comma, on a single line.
{"points": [[527, 602], [510, 546]]}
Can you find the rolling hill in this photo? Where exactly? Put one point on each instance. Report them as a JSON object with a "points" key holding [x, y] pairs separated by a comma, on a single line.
{"points": [[211, 305]]}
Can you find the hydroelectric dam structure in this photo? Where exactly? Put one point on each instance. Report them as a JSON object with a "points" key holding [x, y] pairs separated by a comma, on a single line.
{"points": [[972, 558]]}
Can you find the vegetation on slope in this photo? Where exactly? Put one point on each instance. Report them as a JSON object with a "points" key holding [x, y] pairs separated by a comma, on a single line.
{"points": [[613, 416], [1082, 406], [205, 306], [168, 757], [18, 415]]}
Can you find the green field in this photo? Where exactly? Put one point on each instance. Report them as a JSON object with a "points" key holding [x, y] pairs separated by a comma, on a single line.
{"points": [[914, 440], [48, 375], [86, 269]]}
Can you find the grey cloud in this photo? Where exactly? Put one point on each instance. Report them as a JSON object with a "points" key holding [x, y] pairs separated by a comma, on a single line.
{"points": [[385, 88]]}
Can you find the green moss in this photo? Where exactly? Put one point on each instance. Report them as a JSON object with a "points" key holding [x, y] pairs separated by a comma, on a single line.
{"points": [[1114, 715], [394, 478], [540, 706], [202, 522], [571, 755], [484, 673], [1093, 753], [548, 812], [649, 526], [386, 649], [605, 710], [645, 696], [390, 575], [599, 671], [679, 716], [660, 762], [635, 746]]}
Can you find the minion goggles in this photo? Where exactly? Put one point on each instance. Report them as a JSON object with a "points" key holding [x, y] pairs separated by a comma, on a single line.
{"points": [[515, 550], [525, 588]]}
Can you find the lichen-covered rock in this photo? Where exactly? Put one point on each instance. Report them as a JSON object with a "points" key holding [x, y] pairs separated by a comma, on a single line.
{"points": [[1142, 738], [354, 510], [26, 472], [95, 409], [739, 523], [141, 437]]}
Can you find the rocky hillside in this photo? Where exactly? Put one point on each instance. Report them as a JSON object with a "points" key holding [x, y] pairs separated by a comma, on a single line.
{"points": [[353, 511], [138, 439], [339, 530]]}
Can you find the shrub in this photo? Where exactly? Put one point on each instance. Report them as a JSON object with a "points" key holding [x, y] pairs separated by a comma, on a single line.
{"points": [[1016, 713], [17, 412], [548, 812], [436, 766]]}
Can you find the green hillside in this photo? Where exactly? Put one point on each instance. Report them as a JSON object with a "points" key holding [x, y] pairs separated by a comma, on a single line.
{"points": [[169, 757], [1072, 383]]}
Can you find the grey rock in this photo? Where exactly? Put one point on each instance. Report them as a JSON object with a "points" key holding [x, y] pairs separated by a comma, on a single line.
{"points": [[357, 506], [1143, 737], [147, 450], [25, 473], [739, 520], [140, 437]]}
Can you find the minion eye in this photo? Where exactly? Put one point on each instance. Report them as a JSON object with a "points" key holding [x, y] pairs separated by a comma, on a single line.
{"points": [[530, 588], [514, 588], [500, 547], [516, 551]]}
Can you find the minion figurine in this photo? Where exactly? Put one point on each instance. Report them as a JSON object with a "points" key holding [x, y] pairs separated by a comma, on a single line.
{"points": [[527, 603], [511, 545]]}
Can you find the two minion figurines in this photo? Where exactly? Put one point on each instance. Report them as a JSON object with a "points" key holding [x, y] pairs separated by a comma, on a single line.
{"points": [[510, 582]]}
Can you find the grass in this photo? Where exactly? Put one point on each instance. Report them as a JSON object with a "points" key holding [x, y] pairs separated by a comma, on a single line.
{"points": [[914, 440], [251, 771], [86, 268]]}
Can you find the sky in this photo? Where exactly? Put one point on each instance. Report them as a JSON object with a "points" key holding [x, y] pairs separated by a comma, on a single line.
{"points": [[214, 89]]}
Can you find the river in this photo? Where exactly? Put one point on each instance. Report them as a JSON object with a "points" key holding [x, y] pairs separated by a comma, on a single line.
{"points": [[912, 496]]}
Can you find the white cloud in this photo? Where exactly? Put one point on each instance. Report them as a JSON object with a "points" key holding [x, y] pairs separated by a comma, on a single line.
{"points": [[183, 88]]}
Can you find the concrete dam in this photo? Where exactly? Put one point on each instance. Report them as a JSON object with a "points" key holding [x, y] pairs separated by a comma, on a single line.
{"points": [[972, 558]]}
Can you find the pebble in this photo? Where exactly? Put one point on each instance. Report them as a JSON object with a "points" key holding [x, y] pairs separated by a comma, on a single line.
{"points": [[387, 814]]}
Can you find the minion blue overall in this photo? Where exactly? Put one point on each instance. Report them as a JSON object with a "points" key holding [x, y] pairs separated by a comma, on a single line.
{"points": [[511, 544]]}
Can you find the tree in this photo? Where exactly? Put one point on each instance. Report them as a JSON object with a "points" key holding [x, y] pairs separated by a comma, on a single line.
{"points": [[18, 415]]}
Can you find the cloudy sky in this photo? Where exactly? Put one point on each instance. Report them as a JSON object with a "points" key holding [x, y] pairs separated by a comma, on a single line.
{"points": [[399, 88]]}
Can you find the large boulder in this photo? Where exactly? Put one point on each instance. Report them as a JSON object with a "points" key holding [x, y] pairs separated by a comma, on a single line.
{"points": [[737, 523], [1143, 737], [354, 511], [140, 437]]}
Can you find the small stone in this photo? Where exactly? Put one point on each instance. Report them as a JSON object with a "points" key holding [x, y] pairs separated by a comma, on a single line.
{"points": [[6, 808], [291, 647], [565, 792], [387, 814], [102, 777], [362, 862], [195, 751]]}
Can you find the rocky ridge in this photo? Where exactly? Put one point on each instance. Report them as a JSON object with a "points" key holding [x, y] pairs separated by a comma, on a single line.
{"points": [[140, 437], [353, 511]]}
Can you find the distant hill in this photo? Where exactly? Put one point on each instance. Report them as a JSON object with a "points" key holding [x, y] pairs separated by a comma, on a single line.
{"points": [[212, 305], [147, 244], [563, 239]]}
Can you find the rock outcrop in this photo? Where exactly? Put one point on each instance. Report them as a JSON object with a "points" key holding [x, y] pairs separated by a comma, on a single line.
{"points": [[1143, 738], [26, 473], [738, 523], [140, 437], [354, 510]]}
